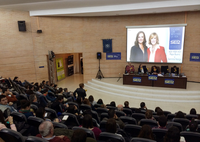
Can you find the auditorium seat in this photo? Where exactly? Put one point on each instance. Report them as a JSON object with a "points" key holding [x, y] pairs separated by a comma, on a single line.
{"points": [[191, 136], [35, 123], [71, 120], [97, 105], [73, 103], [100, 110], [128, 111], [156, 117], [111, 107], [95, 124], [184, 122], [120, 113], [34, 107], [132, 130], [105, 136], [103, 125], [133, 109], [88, 131], [198, 129], [84, 107], [59, 125], [160, 134], [19, 120], [9, 135], [95, 116], [151, 123], [165, 69], [170, 117], [166, 113], [141, 140], [51, 113], [35, 139], [138, 116], [190, 116], [128, 120], [103, 115], [178, 125]]}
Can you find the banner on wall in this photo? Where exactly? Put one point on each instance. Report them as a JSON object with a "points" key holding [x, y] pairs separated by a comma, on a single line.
{"points": [[60, 69], [107, 45], [113, 56], [195, 57]]}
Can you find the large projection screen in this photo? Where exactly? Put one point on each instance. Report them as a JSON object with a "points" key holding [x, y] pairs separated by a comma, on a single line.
{"points": [[155, 43]]}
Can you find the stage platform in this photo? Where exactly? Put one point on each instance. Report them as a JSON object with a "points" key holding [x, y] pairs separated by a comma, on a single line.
{"points": [[109, 89]]}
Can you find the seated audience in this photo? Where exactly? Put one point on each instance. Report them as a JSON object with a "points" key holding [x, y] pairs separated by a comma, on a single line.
{"points": [[113, 104], [46, 131], [149, 115], [120, 107], [126, 104], [80, 91], [4, 104], [33, 100], [43, 100], [91, 99], [58, 105], [79, 136], [193, 111], [88, 123], [143, 106], [146, 132], [180, 114], [9, 95], [30, 90], [66, 94], [16, 80], [193, 126], [160, 112], [6, 123], [162, 122], [79, 101], [111, 126], [25, 108], [129, 68], [100, 102], [173, 135], [87, 102]]}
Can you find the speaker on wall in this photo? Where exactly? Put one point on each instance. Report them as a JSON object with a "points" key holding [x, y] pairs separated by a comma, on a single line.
{"points": [[22, 25], [98, 55]]}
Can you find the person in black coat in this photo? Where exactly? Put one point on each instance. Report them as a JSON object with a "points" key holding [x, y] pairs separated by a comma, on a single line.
{"points": [[80, 91]]}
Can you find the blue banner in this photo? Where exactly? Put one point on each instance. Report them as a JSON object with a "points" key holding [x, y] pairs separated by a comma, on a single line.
{"points": [[113, 56], [107, 45], [175, 42], [169, 81], [195, 57], [41, 66], [137, 79], [152, 77]]}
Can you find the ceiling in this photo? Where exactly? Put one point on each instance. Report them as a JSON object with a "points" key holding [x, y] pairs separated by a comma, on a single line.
{"points": [[99, 7]]}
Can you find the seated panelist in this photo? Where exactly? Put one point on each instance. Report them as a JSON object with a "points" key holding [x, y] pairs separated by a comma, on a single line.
{"points": [[129, 68], [175, 70], [154, 70], [142, 69]]}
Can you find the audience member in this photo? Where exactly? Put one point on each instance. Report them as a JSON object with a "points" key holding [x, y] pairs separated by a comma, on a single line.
{"points": [[17, 81], [33, 100], [160, 112], [6, 123], [149, 115], [146, 133], [143, 106], [180, 114], [193, 111], [100, 102], [192, 126], [46, 131], [173, 135], [162, 122], [79, 101], [87, 102], [30, 90], [120, 107], [113, 104], [126, 104], [25, 108], [79, 136], [91, 99], [10, 97], [88, 123], [58, 105], [111, 126], [4, 104], [80, 91], [43, 100]]}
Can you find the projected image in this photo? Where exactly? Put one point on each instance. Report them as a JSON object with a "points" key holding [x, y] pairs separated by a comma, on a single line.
{"points": [[156, 45]]}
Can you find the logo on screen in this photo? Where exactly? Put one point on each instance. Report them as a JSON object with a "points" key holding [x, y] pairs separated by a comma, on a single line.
{"points": [[169, 81], [137, 79]]}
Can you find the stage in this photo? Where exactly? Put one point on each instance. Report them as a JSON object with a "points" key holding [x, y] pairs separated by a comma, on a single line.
{"points": [[109, 89]]}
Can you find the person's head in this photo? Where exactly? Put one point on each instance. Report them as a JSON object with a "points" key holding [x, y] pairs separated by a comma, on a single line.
{"points": [[146, 132], [148, 114], [43, 81], [160, 112], [87, 121], [140, 38], [15, 78], [193, 111], [60, 90], [25, 104], [180, 114], [100, 101], [154, 68], [153, 39], [71, 109], [111, 126], [79, 136], [91, 98], [86, 101], [126, 104], [113, 104], [142, 104], [31, 87], [162, 121], [5, 91], [193, 125], [40, 112], [156, 109], [45, 91], [172, 135], [111, 113], [47, 83], [65, 90], [46, 129], [52, 84], [140, 66], [81, 85], [3, 100], [32, 98], [59, 98], [120, 107], [39, 89]]}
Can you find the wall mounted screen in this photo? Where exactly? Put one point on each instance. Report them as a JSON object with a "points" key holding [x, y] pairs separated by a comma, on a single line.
{"points": [[155, 43]]}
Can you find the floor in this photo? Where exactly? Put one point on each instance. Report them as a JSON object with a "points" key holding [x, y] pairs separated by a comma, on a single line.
{"points": [[109, 89]]}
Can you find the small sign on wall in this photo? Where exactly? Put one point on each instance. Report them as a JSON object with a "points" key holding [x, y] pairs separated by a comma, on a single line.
{"points": [[41, 66], [113, 56], [195, 57]]}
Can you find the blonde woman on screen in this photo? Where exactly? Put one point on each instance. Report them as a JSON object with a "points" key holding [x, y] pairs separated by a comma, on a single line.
{"points": [[139, 50], [155, 52]]}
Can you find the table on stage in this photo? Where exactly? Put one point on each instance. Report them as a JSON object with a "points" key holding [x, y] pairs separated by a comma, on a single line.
{"points": [[162, 81]]}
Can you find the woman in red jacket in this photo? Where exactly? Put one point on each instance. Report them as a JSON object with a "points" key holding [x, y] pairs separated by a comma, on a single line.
{"points": [[155, 52]]}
